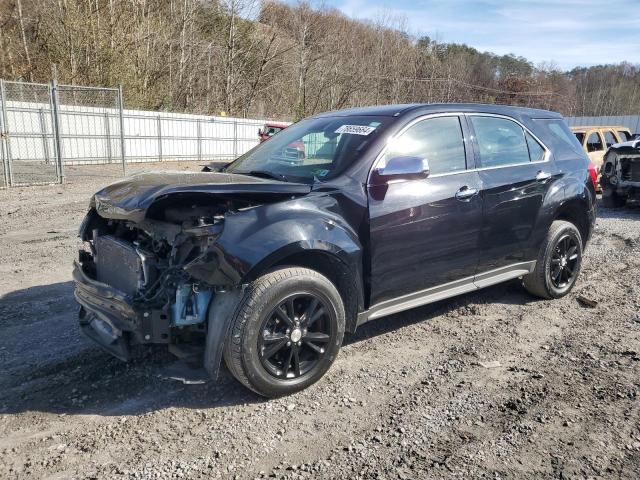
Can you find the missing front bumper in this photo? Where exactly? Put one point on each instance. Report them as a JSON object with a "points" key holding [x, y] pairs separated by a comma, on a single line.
{"points": [[108, 317]]}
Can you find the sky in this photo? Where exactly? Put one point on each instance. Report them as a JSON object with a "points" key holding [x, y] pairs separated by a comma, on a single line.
{"points": [[568, 33]]}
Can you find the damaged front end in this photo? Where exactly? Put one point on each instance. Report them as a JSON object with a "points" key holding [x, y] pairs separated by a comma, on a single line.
{"points": [[138, 282], [149, 265], [621, 170]]}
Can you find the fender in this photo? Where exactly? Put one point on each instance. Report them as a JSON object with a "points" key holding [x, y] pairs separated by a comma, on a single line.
{"points": [[255, 239]]}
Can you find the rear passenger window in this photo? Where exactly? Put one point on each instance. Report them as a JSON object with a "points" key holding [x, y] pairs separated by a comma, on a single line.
{"points": [[624, 136], [501, 141], [536, 151], [438, 140], [561, 136], [609, 138], [594, 142]]}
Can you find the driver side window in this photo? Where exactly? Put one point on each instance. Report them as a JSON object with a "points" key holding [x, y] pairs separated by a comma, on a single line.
{"points": [[437, 140]]}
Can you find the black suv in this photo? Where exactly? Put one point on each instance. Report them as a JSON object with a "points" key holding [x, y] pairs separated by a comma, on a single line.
{"points": [[270, 260]]}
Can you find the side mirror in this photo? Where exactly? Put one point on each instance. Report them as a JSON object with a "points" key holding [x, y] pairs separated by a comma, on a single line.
{"points": [[260, 132], [405, 168]]}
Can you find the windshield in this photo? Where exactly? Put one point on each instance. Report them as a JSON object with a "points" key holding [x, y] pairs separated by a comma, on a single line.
{"points": [[315, 148]]}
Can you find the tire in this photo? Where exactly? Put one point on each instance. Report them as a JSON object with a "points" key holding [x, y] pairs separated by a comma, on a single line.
{"points": [[271, 304], [611, 199], [544, 281]]}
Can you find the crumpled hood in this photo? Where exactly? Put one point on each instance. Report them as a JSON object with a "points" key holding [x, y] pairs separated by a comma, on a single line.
{"points": [[129, 199]]}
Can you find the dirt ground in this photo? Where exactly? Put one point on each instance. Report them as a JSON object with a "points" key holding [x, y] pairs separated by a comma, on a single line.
{"points": [[494, 384]]}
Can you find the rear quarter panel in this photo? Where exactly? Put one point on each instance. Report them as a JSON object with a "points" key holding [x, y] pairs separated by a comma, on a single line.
{"points": [[571, 186]]}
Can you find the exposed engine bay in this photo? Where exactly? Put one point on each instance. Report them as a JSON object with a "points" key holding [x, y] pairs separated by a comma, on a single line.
{"points": [[162, 255], [165, 268]]}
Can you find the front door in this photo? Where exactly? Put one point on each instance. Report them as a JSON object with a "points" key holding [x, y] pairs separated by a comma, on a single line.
{"points": [[516, 172], [425, 233]]}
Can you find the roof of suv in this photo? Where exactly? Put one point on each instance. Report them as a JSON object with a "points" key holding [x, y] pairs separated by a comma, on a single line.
{"points": [[402, 109], [598, 127]]}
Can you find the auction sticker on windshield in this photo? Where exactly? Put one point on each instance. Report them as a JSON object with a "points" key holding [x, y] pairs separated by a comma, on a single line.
{"points": [[355, 129]]}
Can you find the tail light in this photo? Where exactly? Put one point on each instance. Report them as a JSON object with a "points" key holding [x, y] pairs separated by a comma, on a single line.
{"points": [[593, 173]]}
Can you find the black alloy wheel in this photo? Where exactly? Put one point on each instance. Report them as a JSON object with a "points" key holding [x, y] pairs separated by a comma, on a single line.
{"points": [[286, 331], [559, 261], [294, 336], [564, 260]]}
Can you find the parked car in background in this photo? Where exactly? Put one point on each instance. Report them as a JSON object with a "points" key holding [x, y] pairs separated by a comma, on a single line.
{"points": [[268, 263], [620, 175], [597, 139], [270, 129], [294, 152]]}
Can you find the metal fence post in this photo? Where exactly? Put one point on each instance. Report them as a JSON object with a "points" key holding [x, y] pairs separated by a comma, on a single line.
{"points": [[159, 130], [45, 140], [5, 143], [199, 132], [2, 156], [107, 132], [123, 151], [235, 138], [57, 137]]}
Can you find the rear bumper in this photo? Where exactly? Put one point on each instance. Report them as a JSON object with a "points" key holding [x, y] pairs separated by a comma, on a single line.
{"points": [[106, 315]]}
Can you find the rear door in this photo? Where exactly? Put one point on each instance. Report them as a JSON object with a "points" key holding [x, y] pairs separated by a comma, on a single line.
{"points": [[516, 172], [425, 232]]}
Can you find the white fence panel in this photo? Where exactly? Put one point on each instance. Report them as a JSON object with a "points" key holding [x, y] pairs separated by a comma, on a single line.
{"points": [[91, 135]]}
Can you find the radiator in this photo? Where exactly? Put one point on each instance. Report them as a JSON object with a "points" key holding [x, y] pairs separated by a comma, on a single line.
{"points": [[118, 264]]}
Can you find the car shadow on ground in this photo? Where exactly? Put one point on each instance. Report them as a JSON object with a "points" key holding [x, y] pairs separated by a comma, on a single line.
{"points": [[79, 378]]}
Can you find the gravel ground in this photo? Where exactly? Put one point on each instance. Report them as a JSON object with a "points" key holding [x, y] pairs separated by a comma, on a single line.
{"points": [[494, 384]]}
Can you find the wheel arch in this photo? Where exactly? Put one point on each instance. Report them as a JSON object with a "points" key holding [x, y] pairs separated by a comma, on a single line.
{"points": [[575, 211], [326, 259]]}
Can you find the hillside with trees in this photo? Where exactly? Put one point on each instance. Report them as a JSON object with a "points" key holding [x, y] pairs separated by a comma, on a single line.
{"points": [[271, 59]]}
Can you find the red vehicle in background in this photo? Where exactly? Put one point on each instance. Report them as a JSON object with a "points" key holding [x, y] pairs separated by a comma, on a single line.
{"points": [[270, 129], [294, 151]]}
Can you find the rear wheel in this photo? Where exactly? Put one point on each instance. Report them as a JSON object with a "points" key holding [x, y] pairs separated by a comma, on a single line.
{"points": [[286, 333], [558, 263]]}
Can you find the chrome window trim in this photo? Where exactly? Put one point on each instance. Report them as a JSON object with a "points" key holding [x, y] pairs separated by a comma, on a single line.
{"points": [[546, 159], [378, 159], [547, 152]]}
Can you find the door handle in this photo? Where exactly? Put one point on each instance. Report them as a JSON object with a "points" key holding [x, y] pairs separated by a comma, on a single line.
{"points": [[542, 176], [465, 193]]}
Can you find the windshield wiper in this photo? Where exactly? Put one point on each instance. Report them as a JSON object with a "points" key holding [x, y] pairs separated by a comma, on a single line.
{"points": [[265, 174]]}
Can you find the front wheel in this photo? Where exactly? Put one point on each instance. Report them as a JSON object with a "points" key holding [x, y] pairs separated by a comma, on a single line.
{"points": [[286, 332], [558, 263]]}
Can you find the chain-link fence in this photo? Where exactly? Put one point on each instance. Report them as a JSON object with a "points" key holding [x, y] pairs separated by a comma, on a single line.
{"points": [[51, 132], [90, 125], [28, 147]]}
